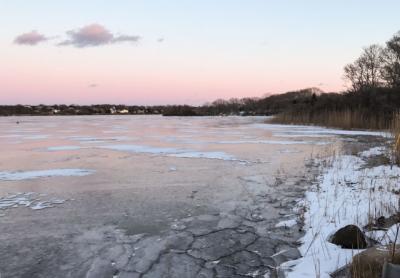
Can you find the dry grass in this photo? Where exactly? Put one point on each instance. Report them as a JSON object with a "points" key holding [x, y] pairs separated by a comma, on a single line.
{"points": [[395, 129], [346, 119]]}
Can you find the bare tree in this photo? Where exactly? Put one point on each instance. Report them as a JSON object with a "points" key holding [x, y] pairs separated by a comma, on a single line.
{"points": [[391, 62], [365, 72]]}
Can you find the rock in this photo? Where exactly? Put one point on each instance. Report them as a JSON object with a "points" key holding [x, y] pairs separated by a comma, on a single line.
{"points": [[381, 221], [349, 237], [369, 263]]}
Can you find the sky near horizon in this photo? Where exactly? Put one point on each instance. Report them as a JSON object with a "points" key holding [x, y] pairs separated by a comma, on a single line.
{"points": [[169, 51]]}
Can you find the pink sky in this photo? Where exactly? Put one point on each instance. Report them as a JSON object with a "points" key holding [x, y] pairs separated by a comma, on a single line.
{"points": [[153, 52]]}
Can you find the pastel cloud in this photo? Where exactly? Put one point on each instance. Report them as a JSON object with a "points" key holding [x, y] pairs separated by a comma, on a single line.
{"points": [[95, 35], [30, 38]]}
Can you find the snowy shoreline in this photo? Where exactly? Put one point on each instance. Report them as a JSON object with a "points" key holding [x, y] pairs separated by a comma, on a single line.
{"points": [[348, 191]]}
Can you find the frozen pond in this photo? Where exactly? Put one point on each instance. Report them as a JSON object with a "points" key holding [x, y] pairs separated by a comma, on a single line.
{"points": [[133, 188]]}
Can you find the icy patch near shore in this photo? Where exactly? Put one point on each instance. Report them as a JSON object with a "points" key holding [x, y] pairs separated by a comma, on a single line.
{"points": [[27, 175], [373, 152], [321, 131], [30, 200], [273, 142], [286, 135], [305, 131], [346, 194]]}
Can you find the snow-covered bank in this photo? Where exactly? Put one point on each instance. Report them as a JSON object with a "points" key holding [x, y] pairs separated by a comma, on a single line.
{"points": [[346, 193]]}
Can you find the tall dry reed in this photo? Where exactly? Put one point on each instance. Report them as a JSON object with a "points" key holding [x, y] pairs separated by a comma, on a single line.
{"points": [[395, 129], [346, 119]]}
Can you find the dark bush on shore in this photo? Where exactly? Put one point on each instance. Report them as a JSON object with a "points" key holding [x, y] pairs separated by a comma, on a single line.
{"points": [[179, 110]]}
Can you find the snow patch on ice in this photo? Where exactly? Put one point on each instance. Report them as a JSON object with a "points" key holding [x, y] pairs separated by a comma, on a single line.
{"points": [[64, 148], [141, 149], [30, 200], [173, 152], [35, 137], [27, 175], [287, 223], [209, 155]]}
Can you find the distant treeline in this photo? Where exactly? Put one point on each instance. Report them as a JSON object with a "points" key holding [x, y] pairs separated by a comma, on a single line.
{"points": [[100, 109], [270, 105]]}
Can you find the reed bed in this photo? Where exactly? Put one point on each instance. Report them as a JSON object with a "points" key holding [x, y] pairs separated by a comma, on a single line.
{"points": [[395, 129], [346, 119]]}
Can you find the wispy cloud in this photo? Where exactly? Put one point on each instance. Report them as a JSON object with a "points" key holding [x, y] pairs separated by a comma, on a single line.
{"points": [[30, 38], [95, 35]]}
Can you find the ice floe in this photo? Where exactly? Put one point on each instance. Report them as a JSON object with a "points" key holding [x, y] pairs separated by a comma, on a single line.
{"points": [[27, 175]]}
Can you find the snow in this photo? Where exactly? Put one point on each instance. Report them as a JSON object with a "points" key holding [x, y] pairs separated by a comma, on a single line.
{"points": [[27, 175], [373, 152], [385, 237], [346, 193]]}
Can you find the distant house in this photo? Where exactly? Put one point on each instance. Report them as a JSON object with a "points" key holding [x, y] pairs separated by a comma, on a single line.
{"points": [[113, 110], [123, 111]]}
